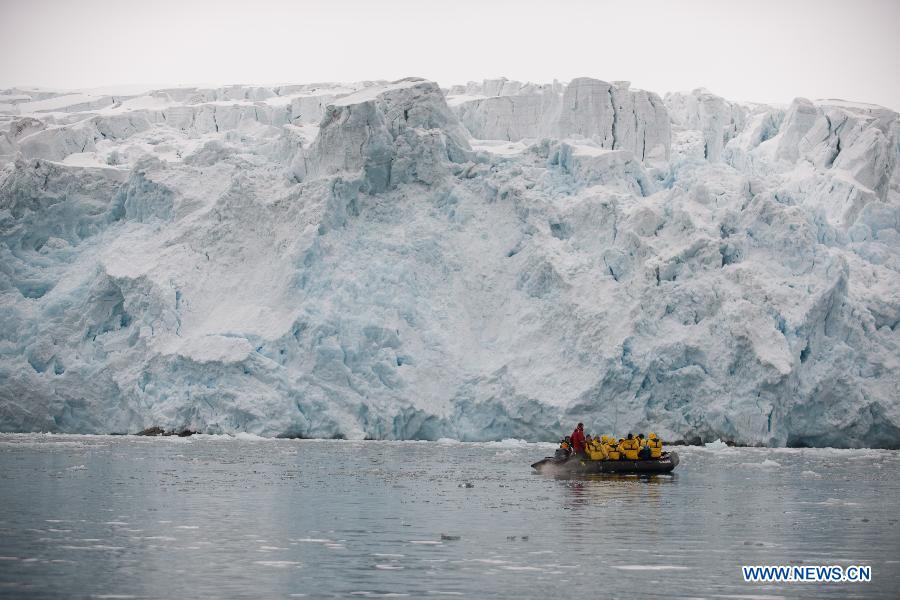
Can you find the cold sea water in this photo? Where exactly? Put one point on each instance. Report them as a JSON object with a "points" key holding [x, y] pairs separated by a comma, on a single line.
{"points": [[219, 517]]}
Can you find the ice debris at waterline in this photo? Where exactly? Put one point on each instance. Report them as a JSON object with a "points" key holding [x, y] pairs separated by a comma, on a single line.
{"points": [[356, 261]]}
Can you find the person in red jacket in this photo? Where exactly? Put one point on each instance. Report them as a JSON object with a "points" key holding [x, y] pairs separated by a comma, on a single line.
{"points": [[577, 438]]}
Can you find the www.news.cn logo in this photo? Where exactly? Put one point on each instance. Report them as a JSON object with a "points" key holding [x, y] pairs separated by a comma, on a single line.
{"points": [[782, 573]]}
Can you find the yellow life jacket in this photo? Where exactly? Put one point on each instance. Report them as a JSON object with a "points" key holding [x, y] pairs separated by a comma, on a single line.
{"points": [[616, 450], [596, 451], [655, 445], [630, 449]]}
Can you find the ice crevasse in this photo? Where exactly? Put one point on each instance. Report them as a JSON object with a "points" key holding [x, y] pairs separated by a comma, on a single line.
{"points": [[394, 260]]}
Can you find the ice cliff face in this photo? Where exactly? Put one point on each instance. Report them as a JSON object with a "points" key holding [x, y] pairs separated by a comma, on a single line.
{"points": [[494, 260], [609, 114]]}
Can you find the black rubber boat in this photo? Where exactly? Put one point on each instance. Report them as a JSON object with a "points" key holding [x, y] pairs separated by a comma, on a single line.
{"points": [[582, 466]]}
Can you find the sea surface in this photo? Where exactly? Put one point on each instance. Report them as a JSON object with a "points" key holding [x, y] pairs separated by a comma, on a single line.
{"points": [[223, 517]]}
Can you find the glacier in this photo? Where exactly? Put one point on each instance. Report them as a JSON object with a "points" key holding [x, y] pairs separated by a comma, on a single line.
{"points": [[397, 260]]}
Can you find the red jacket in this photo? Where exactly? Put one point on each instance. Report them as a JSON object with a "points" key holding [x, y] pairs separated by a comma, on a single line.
{"points": [[577, 438]]}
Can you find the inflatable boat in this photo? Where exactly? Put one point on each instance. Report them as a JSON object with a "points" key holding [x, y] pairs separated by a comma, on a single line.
{"points": [[581, 466]]}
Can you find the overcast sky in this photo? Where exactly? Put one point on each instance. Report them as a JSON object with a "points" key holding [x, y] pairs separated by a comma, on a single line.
{"points": [[758, 50]]}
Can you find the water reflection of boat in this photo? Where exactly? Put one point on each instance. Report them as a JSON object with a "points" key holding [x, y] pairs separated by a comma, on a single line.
{"points": [[583, 466]]}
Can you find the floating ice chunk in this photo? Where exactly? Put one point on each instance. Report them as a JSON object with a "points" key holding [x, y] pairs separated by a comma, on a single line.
{"points": [[249, 437], [716, 445], [508, 443], [838, 502], [650, 567], [766, 464], [280, 564], [425, 542]]}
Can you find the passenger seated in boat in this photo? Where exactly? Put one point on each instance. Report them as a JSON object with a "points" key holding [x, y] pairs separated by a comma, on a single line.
{"points": [[589, 446], [641, 440], [565, 448], [605, 446], [630, 447], [644, 452], [615, 452], [655, 445], [595, 449]]}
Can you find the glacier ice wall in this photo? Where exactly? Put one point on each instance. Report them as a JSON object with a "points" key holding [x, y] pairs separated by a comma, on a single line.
{"points": [[610, 114], [500, 259]]}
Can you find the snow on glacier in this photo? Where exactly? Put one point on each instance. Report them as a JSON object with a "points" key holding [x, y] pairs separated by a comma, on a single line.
{"points": [[489, 261]]}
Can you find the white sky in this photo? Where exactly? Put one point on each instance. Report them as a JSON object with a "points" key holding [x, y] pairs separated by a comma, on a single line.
{"points": [[760, 50]]}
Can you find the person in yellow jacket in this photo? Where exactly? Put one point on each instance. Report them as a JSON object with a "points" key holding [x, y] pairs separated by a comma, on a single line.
{"points": [[603, 447], [630, 447], [589, 447], [606, 444], [588, 441], [655, 445], [616, 450], [595, 449], [643, 449]]}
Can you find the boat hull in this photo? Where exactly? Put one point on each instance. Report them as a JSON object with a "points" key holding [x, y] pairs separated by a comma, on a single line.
{"points": [[583, 466]]}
